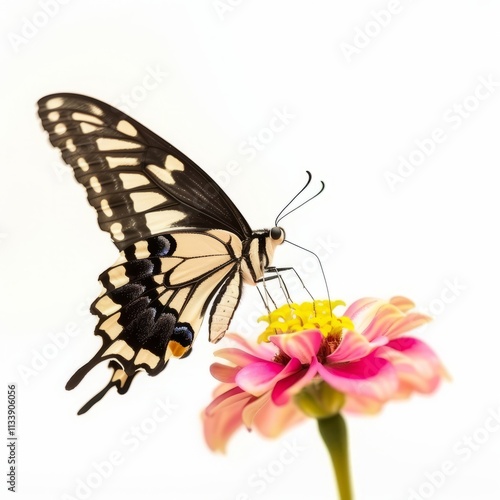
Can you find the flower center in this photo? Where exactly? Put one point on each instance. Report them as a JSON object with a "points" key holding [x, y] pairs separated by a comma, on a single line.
{"points": [[328, 345], [317, 315], [282, 358]]}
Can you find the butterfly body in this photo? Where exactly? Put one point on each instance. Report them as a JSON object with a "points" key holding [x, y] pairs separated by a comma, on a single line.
{"points": [[182, 242]]}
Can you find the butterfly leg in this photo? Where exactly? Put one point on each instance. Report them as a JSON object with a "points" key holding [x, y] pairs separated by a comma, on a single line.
{"points": [[277, 275]]}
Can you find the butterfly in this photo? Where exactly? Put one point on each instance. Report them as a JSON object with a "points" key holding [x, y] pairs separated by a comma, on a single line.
{"points": [[182, 241]]}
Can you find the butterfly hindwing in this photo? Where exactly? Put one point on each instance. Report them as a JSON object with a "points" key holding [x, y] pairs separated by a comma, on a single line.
{"points": [[154, 299]]}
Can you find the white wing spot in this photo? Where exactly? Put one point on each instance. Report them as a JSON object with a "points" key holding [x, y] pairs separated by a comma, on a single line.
{"points": [[87, 127], [119, 376], [126, 128], [53, 116], [83, 117], [117, 276], [144, 356], [118, 161], [116, 231], [83, 164], [95, 184], [144, 200], [172, 163], [60, 128], [122, 348], [106, 208], [70, 145], [55, 102], [131, 181], [106, 306], [112, 327], [141, 250], [95, 110], [164, 174], [161, 173], [105, 144]]}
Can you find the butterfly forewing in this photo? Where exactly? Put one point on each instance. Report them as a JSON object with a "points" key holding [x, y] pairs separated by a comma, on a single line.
{"points": [[139, 184]]}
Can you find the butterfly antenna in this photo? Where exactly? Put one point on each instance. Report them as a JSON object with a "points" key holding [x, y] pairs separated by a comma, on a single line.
{"points": [[294, 198], [302, 204], [320, 266]]}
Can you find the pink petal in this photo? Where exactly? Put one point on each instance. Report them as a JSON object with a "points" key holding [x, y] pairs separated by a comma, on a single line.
{"points": [[221, 389], [272, 420], [227, 398], [237, 356], [353, 346], [218, 427], [362, 405], [402, 303], [261, 377], [417, 366], [301, 345], [224, 373], [377, 318], [382, 321], [371, 376], [408, 322], [288, 386], [264, 350], [253, 408], [361, 311]]}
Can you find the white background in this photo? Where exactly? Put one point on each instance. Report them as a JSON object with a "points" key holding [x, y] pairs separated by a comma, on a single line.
{"points": [[221, 76]]}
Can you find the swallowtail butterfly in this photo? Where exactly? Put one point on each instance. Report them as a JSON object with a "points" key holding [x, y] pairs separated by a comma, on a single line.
{"points": [[182, 241]]}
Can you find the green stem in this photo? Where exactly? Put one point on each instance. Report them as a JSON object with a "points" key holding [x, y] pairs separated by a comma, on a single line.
{"points": [[333, 430]]}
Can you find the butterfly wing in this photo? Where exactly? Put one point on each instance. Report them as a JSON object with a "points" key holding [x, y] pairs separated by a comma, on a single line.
{"points": [[139, 184], [179, 235], [154, 299]]}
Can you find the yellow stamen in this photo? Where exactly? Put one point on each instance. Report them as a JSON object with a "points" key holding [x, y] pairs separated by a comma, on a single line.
{"points": [[317, 315]]}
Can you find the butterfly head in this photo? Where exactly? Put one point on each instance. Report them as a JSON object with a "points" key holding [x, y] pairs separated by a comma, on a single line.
{"points": [[273, 237], [277, 235]]}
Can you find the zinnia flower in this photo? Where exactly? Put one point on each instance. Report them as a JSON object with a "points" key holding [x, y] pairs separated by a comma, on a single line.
{"points": [[311, 362]]}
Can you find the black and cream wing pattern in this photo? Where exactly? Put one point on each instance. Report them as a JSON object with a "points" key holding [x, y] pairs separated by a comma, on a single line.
{"points": [[182, 241]]}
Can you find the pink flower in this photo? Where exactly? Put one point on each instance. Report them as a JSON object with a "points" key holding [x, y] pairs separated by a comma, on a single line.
{"points": [[364, 356]]}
